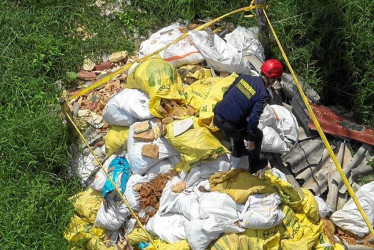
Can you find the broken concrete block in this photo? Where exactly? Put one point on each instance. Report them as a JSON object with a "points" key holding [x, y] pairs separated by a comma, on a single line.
{"points": [[118, 56], [103, 66], [178, 112], [150, 150], [179, 187], [141, 127], [167, 120], [147, 136], [86, 75]]}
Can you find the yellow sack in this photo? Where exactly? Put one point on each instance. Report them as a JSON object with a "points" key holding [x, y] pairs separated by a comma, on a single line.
{"points": [[98, 244], [291, 197], [79, 231], [136, 236], [287, 192], [159, 80], [180, 245], [215, 95], [324, 243], [239, 184], [303, 233], [195, 145], [251, 239], [194, 72], [115, 138], [88, 203], [198, 91]]}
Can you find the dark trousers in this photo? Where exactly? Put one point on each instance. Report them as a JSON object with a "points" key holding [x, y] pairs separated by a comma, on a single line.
{"points": [[238, 132]]}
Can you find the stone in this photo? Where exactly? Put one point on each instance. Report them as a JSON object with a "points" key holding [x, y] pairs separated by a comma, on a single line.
{"points": [[86, 75], [103, 66], [150, 150], [88, 65], [192, 26], [141, 127], [84, 113], [179, 187], [118, 56], [147, 136]]}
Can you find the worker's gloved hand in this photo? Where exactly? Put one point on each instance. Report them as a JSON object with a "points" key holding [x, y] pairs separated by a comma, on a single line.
{"points": [[250, 146]]}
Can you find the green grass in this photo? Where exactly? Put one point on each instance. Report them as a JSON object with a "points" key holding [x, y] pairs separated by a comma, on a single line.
{"points": [[39, 43]]}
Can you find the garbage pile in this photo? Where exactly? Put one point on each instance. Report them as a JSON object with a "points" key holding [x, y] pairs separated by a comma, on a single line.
{"points": [[152, 127]]}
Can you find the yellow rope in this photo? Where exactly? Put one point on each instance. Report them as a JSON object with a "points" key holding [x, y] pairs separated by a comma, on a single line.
{"points": [[110, 179], [319, 129]]}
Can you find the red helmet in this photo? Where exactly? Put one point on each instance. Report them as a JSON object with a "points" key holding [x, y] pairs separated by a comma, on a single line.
{"points": [[272, 68]]}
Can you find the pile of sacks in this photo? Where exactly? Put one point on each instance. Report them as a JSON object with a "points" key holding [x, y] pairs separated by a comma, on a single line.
{"points": [[170, 163]]}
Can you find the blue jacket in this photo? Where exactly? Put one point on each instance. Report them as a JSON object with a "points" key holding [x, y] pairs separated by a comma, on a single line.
{"points": [[245, 98]]}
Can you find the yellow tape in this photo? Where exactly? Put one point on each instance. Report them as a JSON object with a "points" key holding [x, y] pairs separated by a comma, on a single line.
{"points": [[110, 179], [319, 129]]}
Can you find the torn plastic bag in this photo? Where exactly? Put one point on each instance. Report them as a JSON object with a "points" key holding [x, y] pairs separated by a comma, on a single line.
{"points": [[349, 217], [246, 40], [204, 170], [126, 107], [119, 172], [262, 211], [141, 164], [200, 233], [185, 203], [169, 227], [220, 55]]}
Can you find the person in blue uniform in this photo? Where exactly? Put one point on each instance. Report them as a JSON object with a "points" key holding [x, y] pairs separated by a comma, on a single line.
{"points": [[238, 114]]}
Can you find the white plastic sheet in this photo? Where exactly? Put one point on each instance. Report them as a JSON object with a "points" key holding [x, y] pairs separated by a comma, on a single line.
{"points": [[218, 54], [349, 218]]}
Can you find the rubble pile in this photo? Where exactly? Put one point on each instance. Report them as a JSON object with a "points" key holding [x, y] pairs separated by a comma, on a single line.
{"points": [[152, 127]]}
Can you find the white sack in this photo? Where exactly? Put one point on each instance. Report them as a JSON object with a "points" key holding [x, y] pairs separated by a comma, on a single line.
{"points": [[246, 40], [204, 170], [267, 118], [182, 53], [218, 204], [185, 203], [169, 227], [112, 216], [272, 142], [262, 211], [162, 167], [141, 164], [83, 165], [100, 177], [126, 107], [159, 39], [287, 125], [220, 55], [131, 195], [324, 208], [200, 233], [349, 218]]}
